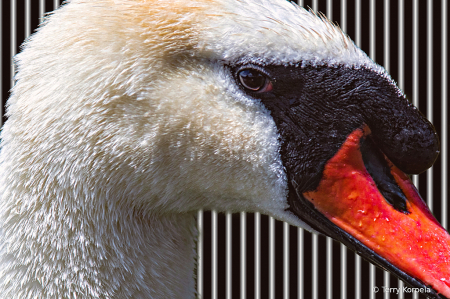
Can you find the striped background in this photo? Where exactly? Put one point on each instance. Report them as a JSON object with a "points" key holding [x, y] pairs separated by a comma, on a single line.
{"points": [[253, 256]]}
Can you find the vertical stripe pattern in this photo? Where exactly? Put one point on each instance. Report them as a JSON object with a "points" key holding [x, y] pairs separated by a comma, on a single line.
{"points": [[229, 256], [257, 256], [200, 254], [1, 63], [13, 44], [243, 255], [214, 256], [444, 115]]}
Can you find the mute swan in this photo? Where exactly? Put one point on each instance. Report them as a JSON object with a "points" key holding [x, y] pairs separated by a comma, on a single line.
{"points": [[129, 116]]}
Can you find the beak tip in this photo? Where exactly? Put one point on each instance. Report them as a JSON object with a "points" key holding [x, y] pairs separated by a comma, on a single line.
{"points": [[409, 239]]}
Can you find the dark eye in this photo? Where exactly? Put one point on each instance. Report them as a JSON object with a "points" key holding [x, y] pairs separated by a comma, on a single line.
{"points": [[254, 80]]}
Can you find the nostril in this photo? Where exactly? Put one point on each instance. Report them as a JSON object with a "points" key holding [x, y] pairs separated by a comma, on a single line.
{"points": [[378, 168]]}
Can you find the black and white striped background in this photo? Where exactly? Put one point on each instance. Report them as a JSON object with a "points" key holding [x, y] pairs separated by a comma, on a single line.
{"points": [[253, 256]]}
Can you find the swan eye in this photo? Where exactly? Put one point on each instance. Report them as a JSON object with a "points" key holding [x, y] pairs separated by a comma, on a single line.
{"points": [[254, 80]]}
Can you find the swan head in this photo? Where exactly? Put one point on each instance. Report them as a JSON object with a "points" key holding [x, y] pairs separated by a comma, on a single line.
{"points": [[166, 107]]}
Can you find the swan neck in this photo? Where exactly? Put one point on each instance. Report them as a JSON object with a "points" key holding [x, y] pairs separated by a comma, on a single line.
{"points": [[127, 255]]}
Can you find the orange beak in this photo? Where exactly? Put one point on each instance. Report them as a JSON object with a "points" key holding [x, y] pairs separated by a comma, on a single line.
{"points": [[405, 234]]}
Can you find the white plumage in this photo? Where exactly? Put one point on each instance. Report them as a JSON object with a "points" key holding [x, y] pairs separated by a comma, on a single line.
{"points": [[124, 122]]}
